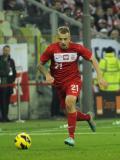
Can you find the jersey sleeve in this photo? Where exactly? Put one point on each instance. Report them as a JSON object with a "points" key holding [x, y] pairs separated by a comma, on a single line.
{"points": [[84, 52], [46, 55]]}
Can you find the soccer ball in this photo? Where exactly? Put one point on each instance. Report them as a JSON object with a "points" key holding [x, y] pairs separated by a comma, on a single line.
{"points": [[22, 141]]}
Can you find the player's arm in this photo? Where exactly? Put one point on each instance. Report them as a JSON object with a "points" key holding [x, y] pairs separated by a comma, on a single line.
{"points": [[86, 53], [44, 58], [45, 72], [101, 80]]}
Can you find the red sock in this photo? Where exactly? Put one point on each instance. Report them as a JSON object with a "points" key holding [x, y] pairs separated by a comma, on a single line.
{"points": [[72, 123], [82, 116]]}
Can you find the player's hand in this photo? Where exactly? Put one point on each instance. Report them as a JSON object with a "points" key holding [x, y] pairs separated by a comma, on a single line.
{"points": [[102, 83], [49, 78]]}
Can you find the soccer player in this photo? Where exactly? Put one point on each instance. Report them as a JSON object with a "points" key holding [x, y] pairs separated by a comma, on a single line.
{"points": [[64, 75]]}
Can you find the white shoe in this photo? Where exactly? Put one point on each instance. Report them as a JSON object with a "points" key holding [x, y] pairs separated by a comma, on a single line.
{"points": [[69, 141]]}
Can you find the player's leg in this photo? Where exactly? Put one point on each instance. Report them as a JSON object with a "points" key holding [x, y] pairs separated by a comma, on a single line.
{"points": [[82, 116], [70, 102], [74, 89], [91, 122], [89, 117], [72, 92], [67, 103]]}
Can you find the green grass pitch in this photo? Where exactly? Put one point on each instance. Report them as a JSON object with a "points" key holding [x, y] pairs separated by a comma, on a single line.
{"points": [[48, 141]]}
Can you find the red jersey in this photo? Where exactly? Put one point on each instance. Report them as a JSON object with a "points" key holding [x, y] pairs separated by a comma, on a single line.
{"points": [[64, 63]]}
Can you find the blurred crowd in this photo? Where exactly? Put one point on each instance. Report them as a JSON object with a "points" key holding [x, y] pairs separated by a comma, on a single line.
{"points": [[105, 14]]}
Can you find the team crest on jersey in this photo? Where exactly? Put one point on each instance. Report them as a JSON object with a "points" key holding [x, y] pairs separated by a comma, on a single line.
{"points": [[65, 57]]}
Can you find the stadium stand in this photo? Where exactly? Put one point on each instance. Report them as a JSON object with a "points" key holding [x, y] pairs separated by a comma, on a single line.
{"points": [[105, 14]]}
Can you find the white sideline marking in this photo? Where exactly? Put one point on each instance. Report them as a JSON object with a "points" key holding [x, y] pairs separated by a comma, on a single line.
{"points": [[62, 131], [48, 133]]}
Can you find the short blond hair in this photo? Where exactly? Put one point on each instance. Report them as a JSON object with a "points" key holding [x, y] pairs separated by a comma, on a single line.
{"points": [[63, 30]]}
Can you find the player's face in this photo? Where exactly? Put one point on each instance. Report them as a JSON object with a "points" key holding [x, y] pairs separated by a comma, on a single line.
{"points": [[64, 40]]}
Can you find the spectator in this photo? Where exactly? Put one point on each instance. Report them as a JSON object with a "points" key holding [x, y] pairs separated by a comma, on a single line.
{"points": [[115, 35], [99, 14], [101, 24], [57, 6], [103, 33], [20, 5], [9, 4], [14, 5], [7, 76], [109, 16]]}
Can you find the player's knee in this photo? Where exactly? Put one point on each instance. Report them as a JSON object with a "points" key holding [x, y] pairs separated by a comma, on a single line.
{"points": [[70, 101]]}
